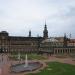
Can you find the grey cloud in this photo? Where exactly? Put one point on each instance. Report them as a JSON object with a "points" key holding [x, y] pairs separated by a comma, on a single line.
{"points": [[23, 15]]}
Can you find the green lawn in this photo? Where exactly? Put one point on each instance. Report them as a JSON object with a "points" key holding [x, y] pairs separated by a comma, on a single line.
{"points": [[55, 68]]}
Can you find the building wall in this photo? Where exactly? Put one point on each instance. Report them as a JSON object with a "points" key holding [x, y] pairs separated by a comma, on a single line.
{"points": [[21, 44], [34, 44], [57, 46]]}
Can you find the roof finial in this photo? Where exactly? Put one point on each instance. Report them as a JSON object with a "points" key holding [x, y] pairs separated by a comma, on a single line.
{"points": [[70, 35], [64, 34], [29, 33], [45, 22]]}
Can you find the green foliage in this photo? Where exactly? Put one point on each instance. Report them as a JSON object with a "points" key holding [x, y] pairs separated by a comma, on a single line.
{"points": [[32, 56]]}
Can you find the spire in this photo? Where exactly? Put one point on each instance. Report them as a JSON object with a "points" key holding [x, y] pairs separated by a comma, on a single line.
{"points": [[65, 37], [45, 32], [29, 33], [45, 25], [65, 40]]}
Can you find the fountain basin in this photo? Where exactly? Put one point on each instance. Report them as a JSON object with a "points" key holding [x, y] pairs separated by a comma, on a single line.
{"points": [[32, 66]]}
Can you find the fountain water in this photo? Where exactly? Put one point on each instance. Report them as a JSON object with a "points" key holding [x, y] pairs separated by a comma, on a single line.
{"points": [[0, 71], [26, 61], [18, 56], [25, 67]]}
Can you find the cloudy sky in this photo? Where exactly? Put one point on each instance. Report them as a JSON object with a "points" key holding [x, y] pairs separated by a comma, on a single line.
{"points": [[19, 16]]}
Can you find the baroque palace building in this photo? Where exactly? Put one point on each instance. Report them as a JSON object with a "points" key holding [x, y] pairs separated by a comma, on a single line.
{"points": [[52, 45]]}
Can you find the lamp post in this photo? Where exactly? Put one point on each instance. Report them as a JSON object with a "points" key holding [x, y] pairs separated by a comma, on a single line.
{"points": [[50, 45]]}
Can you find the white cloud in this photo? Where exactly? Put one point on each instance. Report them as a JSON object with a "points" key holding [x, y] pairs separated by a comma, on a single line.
{"points": [[19, 16]]}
